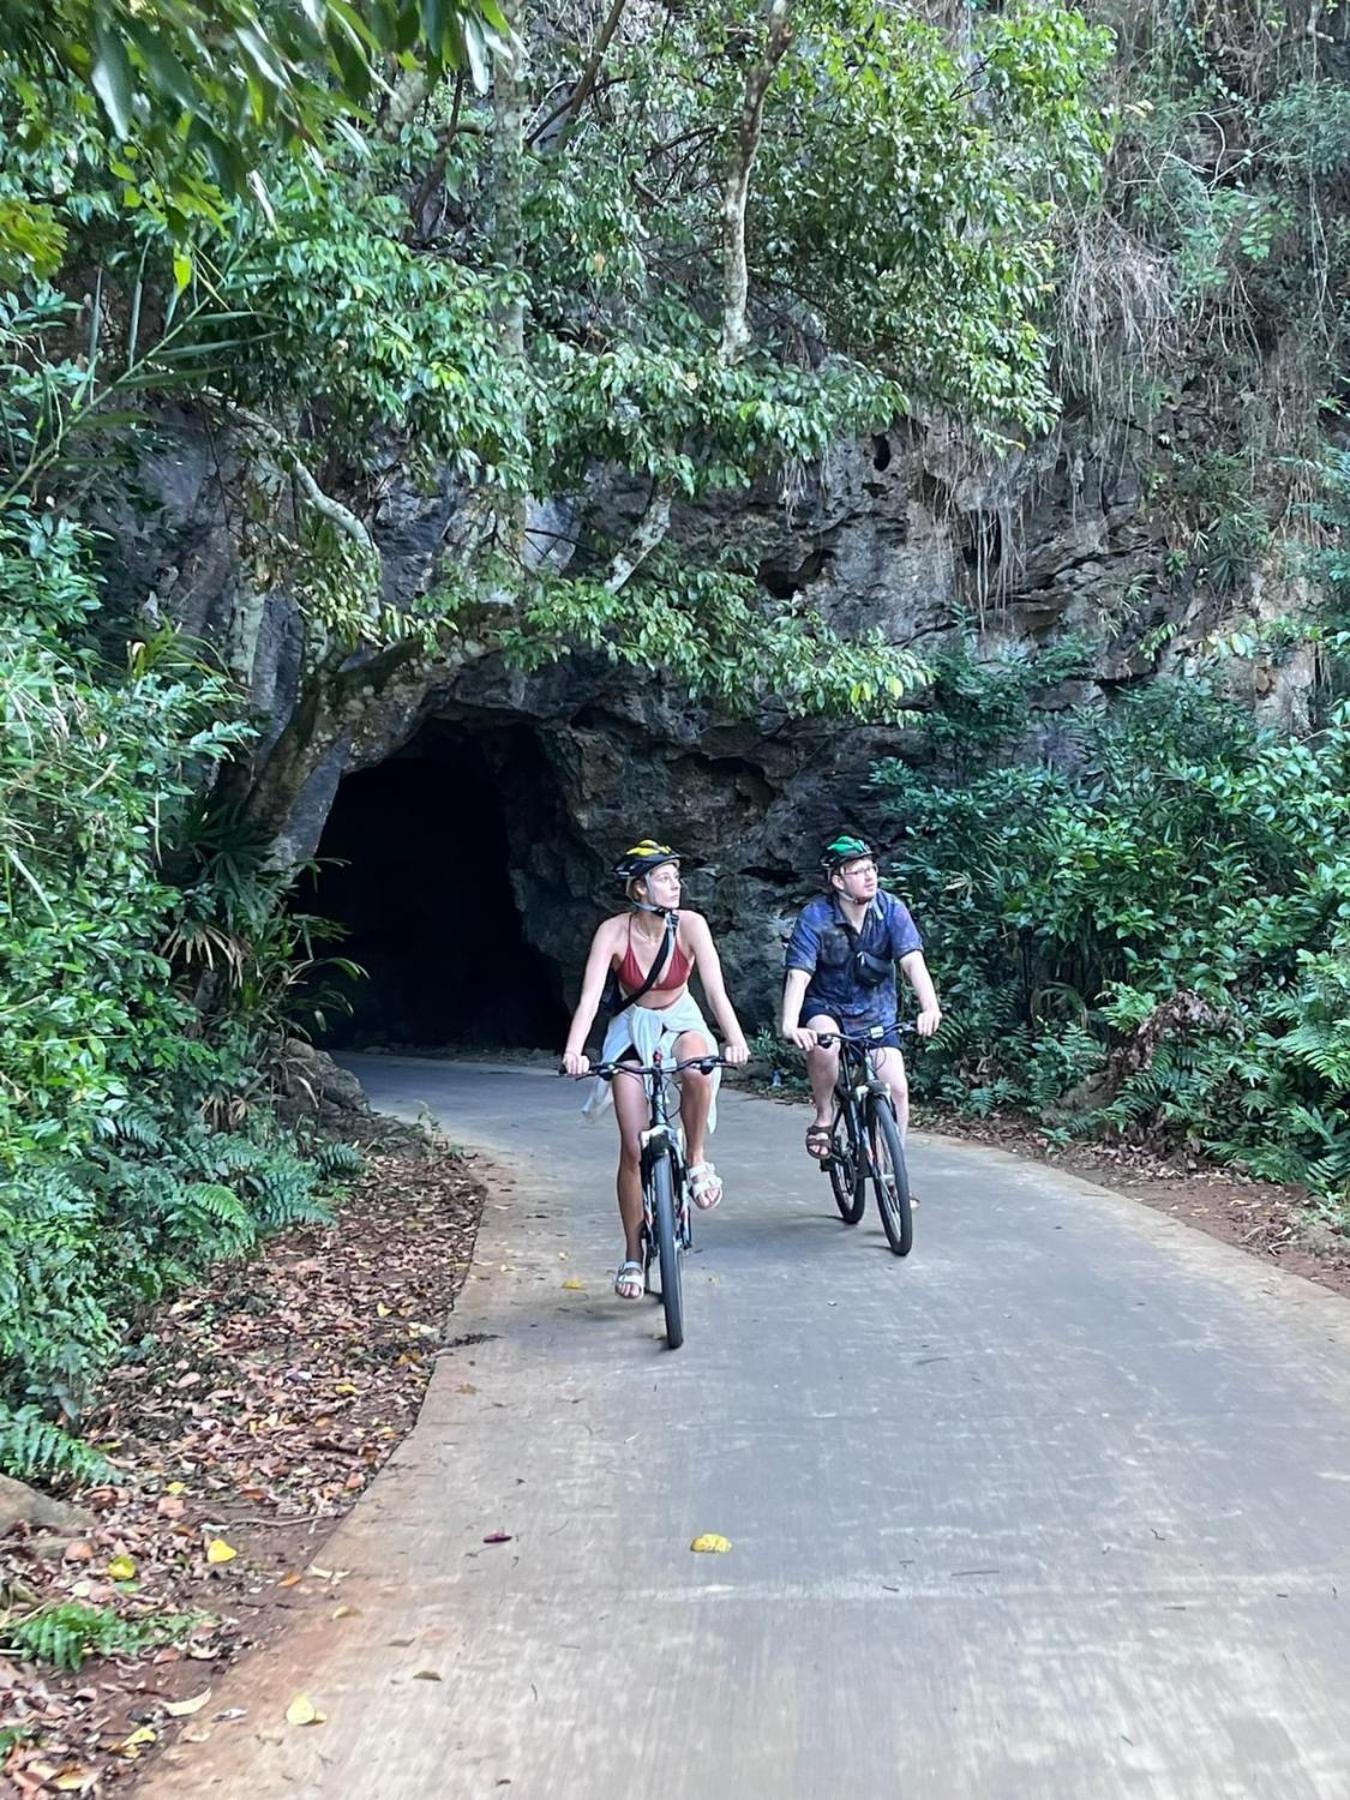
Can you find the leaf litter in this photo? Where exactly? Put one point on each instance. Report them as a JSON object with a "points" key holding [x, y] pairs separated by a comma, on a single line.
{"points": [[250, 1413]]}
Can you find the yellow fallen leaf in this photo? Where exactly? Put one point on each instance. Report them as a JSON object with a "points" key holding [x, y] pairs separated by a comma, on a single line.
{"points": [[176, 1487], [218, 1551], [302, 1711], [182, 1709], [712, 1541], [573, 1283], [381, 1309], [74, 1780], [347, 1612], [345, 1387], [121, 1568], [131, 1747]]}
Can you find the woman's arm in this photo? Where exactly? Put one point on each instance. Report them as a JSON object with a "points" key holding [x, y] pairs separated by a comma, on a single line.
{"points": [[592, 986], [709, 966]]}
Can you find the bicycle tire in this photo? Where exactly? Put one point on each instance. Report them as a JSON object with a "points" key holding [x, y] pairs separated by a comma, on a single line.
{"points": [[890, 1177], [668, 1249], [846, 1172]]}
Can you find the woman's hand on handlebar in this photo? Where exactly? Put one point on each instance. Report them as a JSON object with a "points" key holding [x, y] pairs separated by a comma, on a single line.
{"points": [[801, 1037], [735, 1052], [576, 1062]]}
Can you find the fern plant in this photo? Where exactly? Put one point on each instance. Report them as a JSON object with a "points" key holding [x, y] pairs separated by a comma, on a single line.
{"points": [[32, 1446], [65, 1635]]}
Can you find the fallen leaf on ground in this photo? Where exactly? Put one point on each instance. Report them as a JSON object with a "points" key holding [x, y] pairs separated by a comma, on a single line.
{"points": [[180, 1709], [302, 1711], [218, 1551], [122, 1568], [347, 1612], [711, 1541], [291, 1580], [74, 1780], [131, 1747], [574, 1284], [498, 1537], [426, 1675]]}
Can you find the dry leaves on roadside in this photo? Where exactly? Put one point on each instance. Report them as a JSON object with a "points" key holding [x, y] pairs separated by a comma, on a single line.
{"points": [[273, 1391]]}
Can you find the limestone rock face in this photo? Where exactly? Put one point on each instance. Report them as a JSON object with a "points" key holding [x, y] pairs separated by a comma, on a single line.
{"points": [[905, 534]]}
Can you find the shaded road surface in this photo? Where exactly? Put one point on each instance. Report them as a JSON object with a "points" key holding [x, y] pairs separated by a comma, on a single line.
{"points": [[1057, 1508]]}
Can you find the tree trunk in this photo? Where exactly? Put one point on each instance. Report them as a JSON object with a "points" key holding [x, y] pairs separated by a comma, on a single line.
{"points": [[508, 171], [735, 269]]}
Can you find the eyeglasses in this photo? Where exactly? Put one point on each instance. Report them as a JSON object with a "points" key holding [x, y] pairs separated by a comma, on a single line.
{"points": [[859, 868]]}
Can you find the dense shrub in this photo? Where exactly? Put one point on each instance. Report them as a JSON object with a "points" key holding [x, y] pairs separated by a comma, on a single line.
{"points": [[1172, 854]]}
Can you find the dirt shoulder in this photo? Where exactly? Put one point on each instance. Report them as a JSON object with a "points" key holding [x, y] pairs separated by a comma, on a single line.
{"points": [[251, 1413]]}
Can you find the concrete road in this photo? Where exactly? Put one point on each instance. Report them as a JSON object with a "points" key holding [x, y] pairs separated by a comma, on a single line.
{"points": [[1058, 1507]]}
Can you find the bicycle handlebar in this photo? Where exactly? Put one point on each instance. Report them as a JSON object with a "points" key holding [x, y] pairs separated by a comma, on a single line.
{"points": [[826, 1038], [608, 1070]]}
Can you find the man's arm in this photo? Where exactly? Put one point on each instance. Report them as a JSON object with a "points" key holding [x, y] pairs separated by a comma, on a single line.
{"points": [[916, 974], [794, 992]]}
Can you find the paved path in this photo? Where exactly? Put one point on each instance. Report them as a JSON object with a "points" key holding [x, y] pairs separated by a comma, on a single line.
{"points": [[1056, 1508]]}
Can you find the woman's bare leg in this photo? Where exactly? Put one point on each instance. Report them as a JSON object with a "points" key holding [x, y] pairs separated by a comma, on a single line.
{"points": [[630, 1107], [696, 1096]]}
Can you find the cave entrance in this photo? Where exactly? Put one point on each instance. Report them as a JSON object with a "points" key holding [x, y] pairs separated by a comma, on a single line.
{"points": [[416, 866]]}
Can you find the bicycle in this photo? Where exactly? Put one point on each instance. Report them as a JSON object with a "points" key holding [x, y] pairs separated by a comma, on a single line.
{"points": [[865, 1139], [667, 1217]]}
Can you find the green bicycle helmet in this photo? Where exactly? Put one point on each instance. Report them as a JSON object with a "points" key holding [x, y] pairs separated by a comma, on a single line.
{"points": [[844, 849]]}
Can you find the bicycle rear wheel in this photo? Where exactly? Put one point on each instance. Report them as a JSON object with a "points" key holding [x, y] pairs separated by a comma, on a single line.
{"points": [[846, 1165], [668, 1249], [890, 1177]]}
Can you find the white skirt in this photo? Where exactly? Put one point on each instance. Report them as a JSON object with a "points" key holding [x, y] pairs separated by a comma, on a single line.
{"points": [[647, 1029]]}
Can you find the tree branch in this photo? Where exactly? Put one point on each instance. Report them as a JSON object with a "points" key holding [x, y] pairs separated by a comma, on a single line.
{"points": [[507, 174], [736, 276], [324, 504], [651, 528], [570, 110]]}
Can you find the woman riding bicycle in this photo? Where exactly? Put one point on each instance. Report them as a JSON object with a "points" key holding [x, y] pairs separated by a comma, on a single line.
{"points": [[650, 950]]}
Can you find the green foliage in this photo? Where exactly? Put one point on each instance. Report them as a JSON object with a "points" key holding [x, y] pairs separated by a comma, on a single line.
{"points": [[112, 1187], [31, 1447], [1177, 855], [187, 94], [918, 225], [65, 1635], [1203, 282]]}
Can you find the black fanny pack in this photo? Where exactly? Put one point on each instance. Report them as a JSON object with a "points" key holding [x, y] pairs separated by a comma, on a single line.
{"points": [[871, 970]]}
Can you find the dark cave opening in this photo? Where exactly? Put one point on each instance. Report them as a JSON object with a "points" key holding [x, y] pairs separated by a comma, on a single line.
{"points": [[415, 865]]}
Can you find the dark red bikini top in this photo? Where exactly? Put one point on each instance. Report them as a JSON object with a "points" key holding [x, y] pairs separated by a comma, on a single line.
{"points": [[674, 975]]}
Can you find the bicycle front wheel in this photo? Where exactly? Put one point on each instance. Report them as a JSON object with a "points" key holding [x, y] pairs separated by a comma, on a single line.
{"points": [[890, 1177], [846, 1171], [668, 1249]]}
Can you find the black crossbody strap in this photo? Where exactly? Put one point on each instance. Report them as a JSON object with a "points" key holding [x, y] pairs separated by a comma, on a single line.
{"points": [[660, 960]]}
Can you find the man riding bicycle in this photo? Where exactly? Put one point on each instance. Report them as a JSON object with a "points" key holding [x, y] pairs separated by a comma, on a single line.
{"points": [[840, 962]]}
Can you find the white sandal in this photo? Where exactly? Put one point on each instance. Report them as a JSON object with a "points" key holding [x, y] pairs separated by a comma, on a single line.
{"points": [[705, 1185], [629, 1281]]}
